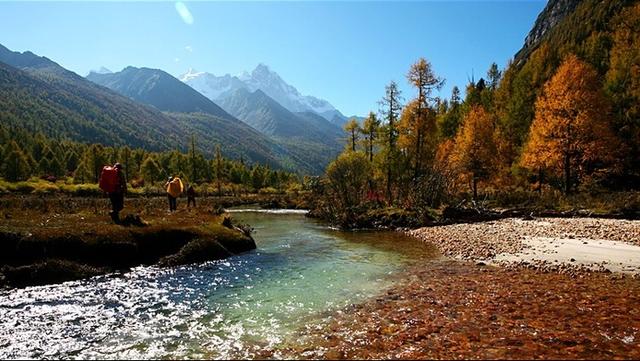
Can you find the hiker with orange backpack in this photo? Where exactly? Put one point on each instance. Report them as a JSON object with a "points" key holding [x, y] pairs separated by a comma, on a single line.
{"points": [[174, 188], [114, 183]]}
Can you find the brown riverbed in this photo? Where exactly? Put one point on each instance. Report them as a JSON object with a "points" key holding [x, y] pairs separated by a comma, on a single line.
{"points": [[508, 289], [460, 310]]}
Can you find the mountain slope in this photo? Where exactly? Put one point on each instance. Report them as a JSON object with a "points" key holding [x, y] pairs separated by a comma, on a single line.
{"points": [[262, 113], [553, 13], [44, 97], [159, 89], [306, 134], [604, 34], [269, 117], [572, 26], [321, 125]]}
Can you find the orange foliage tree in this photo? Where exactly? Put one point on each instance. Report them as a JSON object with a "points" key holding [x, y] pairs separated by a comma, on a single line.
{"points": [[570, 134], [475, 147]]}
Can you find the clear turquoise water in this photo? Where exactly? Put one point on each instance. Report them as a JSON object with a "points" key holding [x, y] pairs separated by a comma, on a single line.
{"points": [[301, 272]]}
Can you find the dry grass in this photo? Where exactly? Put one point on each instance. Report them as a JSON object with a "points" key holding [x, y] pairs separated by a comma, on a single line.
{"points": [[77, 237]]}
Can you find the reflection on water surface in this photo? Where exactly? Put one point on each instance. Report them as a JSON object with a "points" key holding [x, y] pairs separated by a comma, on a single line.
{"points": [[231, 308]]}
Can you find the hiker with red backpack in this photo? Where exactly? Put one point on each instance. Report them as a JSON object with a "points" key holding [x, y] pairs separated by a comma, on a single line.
{"points": [[114, 183]]}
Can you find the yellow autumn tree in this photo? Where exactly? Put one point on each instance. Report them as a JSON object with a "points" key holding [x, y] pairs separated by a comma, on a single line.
{"points": [[370, 131], [418, 135], [475, 148], [570, 135], [445, 164], [353, 129], [418, 121]]}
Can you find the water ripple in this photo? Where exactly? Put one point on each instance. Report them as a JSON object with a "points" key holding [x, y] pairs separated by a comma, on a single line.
{"points": [[231, 308]]}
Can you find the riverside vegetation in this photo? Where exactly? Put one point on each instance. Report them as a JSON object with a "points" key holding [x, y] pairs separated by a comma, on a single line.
{"points": [[55, 227], [59, 238], [555, 130]]}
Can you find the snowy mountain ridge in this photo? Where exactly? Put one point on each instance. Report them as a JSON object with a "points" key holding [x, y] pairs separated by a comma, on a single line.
{"points": [[217, 88]]}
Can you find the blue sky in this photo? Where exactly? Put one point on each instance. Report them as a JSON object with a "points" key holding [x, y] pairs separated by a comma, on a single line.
{"points": [[344, 52]]}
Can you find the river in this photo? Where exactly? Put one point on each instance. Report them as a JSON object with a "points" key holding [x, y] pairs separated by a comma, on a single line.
{"points": [[301, 273]]}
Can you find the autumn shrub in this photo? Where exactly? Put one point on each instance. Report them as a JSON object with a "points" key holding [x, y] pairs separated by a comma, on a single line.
{"points": [[22, 187], [268, 190], [45, 188], [81, 190]]}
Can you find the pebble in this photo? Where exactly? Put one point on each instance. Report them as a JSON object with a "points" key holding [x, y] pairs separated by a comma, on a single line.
{"points": [[484, 240]]}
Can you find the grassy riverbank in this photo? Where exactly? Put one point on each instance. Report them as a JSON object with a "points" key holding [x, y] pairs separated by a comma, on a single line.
{"points": [[491, 206], [58, 238]]}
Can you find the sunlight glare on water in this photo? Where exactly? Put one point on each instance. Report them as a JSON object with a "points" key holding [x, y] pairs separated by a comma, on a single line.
{"points": [[232, 308]]}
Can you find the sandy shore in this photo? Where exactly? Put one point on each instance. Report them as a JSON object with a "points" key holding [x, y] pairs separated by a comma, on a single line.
{"points": [[556, 244]]}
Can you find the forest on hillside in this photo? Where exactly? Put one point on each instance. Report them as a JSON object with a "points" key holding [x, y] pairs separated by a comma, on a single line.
{"points": [[565, 120], [35, 157]]}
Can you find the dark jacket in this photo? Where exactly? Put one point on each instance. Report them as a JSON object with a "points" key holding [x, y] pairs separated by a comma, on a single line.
{"points": [[122, 182]]}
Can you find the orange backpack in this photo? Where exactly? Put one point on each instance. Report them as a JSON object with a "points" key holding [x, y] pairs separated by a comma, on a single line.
{"points": [[175, 187]]}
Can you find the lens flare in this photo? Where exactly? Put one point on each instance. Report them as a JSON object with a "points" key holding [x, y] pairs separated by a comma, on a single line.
{"points": [[184, 13]]}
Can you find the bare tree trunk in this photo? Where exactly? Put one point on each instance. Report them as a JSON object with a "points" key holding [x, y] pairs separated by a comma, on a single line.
{"points": [[567, 174], [353, 140], [540, 179], [475, 187]]}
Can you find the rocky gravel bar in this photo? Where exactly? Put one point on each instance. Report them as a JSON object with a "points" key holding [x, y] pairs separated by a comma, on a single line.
{"points": [[547, 244]]}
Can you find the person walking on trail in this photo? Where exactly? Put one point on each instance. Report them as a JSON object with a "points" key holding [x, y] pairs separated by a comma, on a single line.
{"points": [[114, 182], [174, 188], [191, 196]]}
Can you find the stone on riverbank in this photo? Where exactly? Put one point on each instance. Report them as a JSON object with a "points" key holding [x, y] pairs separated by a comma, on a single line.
{"points": [[543, 243]]}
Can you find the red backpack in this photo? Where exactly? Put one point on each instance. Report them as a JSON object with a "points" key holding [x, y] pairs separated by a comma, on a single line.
{"points": [[109, 180]]}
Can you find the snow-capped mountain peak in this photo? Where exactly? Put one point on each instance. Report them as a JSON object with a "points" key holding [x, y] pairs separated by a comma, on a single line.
{"points": [[190, 74], [262, 78]]}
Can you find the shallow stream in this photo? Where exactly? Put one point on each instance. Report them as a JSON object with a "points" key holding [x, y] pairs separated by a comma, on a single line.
{"points": [[301, 273]]}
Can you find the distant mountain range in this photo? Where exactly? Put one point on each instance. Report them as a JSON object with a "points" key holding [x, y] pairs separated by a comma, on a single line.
{"points": [[40, 95], [150, 109], [306, 125], [307, 133], [159, 89], [269, 117], [218, 88], [316, 140]]}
